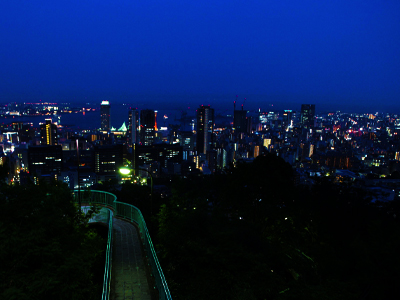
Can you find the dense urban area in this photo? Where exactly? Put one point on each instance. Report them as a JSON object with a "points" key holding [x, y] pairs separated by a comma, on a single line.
{"points": [[348, 147], [288, 204]]}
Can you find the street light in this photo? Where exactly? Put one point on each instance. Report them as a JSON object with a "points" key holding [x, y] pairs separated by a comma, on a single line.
{"points": [[127, 171], [124, 171]]}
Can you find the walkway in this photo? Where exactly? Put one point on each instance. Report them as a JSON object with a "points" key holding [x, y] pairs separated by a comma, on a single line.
{"points": [[129, 280]]}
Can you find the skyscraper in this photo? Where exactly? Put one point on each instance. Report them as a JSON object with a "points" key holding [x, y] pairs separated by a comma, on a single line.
{"points": [[240, 121], [105, 115], [307, 115], [133, 117], [108, 159], [48, 133], [147, 127], [205, 128], [286, 118], [45, 159], [241, 124]]}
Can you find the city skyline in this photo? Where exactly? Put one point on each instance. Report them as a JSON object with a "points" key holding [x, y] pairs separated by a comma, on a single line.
{"points": [[266, 170], [256, 142], [323, 53]]}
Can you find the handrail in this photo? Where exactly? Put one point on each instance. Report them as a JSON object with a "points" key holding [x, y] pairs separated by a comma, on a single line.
{"points": [[108, 263], [133, 214]]}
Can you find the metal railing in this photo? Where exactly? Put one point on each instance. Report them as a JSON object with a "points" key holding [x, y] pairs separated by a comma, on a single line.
{"points": [[103, 199], [108, 265], [134, 215]]}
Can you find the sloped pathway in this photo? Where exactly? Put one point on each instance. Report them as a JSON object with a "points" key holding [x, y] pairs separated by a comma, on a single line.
{"points": [[128, 267]]}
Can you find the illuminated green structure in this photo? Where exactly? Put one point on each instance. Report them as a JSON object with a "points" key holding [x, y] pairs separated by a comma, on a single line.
{"points": [[131, 214]]}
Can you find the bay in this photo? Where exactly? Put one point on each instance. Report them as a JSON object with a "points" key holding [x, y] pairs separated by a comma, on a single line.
{"points": [[91, 120]]}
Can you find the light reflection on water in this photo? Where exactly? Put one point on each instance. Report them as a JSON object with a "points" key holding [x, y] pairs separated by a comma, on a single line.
{"points": [[91, 120], [118, 115]]}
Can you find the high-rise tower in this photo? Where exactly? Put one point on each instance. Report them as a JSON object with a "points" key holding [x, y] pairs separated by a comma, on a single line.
{"points": [[133, 117], [105, 115], [286, 118], [45, 159], [48, 133], [147, 127], [240, 122], [205, 128], [307, 115]]}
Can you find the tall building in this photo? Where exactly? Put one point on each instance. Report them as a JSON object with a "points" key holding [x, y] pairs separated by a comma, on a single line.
{"points": [[307, 115], [25, 131], [162, 153], [45, 160], [205, 128], [133, 118], [187, 141], [108, 159], [286, 118], [48, 133], [239, 121], [105, 115], [147, 127]]}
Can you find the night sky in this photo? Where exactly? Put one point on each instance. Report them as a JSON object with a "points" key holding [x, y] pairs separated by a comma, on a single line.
{"points": [[322, 52]]}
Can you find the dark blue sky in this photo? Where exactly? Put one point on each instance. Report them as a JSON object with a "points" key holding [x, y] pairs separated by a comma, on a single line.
{"points": [[342, 52]]}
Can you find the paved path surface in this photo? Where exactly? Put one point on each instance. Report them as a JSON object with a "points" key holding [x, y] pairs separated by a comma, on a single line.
{"points": [[128, 268]]}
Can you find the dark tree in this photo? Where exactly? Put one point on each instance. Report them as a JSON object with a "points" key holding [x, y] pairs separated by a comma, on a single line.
{"points": [[252, 234], [46, 249]]}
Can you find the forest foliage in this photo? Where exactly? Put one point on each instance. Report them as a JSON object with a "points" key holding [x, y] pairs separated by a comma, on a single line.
{"points": [[252, 234], [47, 250]]}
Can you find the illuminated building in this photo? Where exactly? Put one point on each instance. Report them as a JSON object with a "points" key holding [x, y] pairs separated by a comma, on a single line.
{"points": [[224, 158], [263, 118], [287, 119], [173, 134], [266, 120], [45, 160], [17, 126], [105, 115], [307, 115], [159, 157], [266, 143], [256, 151], [107, 160], [186, 140], [205, 128], [155, 120], [25, 131], [161, 153], [147, 127], [48, 133]]}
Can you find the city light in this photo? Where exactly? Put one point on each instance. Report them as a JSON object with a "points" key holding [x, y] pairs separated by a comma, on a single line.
{"points": [[125, 171]]}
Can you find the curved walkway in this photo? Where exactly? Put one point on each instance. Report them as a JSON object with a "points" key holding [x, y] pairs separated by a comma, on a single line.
{"points": [[129, 280], [134, 276]]}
